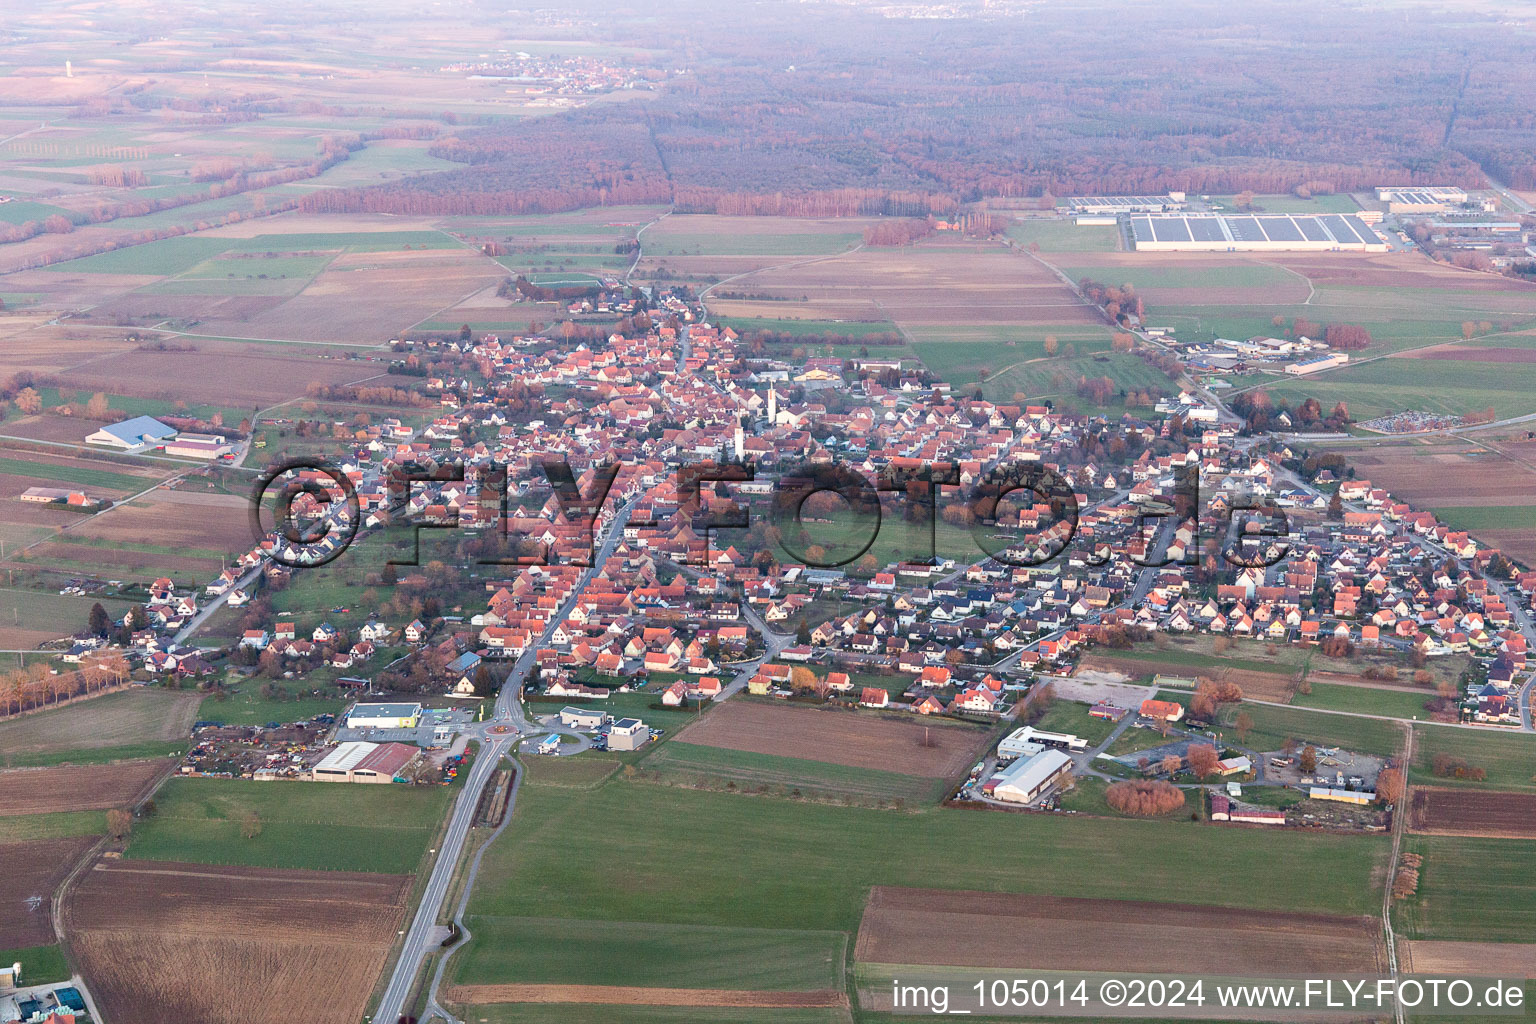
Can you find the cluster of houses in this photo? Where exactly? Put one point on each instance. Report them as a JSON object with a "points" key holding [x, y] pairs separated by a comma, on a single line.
{"points": [[678, 604]]}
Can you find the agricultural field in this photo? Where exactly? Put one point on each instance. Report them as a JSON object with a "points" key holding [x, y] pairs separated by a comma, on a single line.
{"points": [[1487, 959], [312, 826], [1274, 725], [1052, 236], [1486, 486], [752, 884], [298, 278], [1470, 889], [114, 726], [1378, 387], [848, 738], [686, 763], [243, 704], [30, 874], [939, 283], [795, 325], [30, 791], [238, 376], [32, 617], [755, 894], [247, 945], [630, 1013], [903, 926], [1365, 700], [509, 950], [1456, 812], [1508, 758], [186, 526], [582, 772]]}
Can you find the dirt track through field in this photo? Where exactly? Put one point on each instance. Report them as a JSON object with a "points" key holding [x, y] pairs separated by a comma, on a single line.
{"points": [[623, 995], [851, 738], [934, 926]]}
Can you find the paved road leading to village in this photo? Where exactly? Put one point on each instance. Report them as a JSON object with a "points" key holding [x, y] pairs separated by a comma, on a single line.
{"points": [[419, 936], [207, 610]]}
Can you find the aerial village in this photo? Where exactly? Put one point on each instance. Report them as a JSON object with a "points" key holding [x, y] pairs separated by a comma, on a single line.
{"points": [[660, 596]]}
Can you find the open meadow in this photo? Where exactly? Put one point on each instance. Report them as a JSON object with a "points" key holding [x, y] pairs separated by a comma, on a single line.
{"points": [[313, 826]]}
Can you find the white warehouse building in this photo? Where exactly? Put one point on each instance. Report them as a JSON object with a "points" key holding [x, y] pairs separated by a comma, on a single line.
{"points": [[1027, 779], [384, 716], [1228, 233]]}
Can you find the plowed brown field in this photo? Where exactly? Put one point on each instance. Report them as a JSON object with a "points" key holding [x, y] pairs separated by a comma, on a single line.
{"points": [[161, 941], [30, 873], [838, 737], [933, 926], [1463, 812], [91, 787]]}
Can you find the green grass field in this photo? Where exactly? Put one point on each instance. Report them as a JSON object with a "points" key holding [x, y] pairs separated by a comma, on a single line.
{"points": [[548, 950], [1198, 657], [23, 828], [42, 610], [1509, 758], [40, 965], [1487, 517], [1293, 204], [304, 825], [1475, 889], [688, 763], [1070, 716], [894, 539], [20, 211], [352, 241], [852, 328], [1238, 274], [169, 257], [1065, 236], [248, 707], [95, 755], [801, 866], [962, 360], [85, 476], [662, 241], [767, 866], [1431, 385], [164, 258], [1364, 700], [1273, 725], [583, 772]]}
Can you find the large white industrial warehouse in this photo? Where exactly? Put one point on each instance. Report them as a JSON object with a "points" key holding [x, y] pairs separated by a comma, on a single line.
{"points": [[1218, 233]]}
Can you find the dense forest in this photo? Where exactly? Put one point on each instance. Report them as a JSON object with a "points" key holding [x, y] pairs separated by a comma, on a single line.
{"points": [[855, 112]]}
